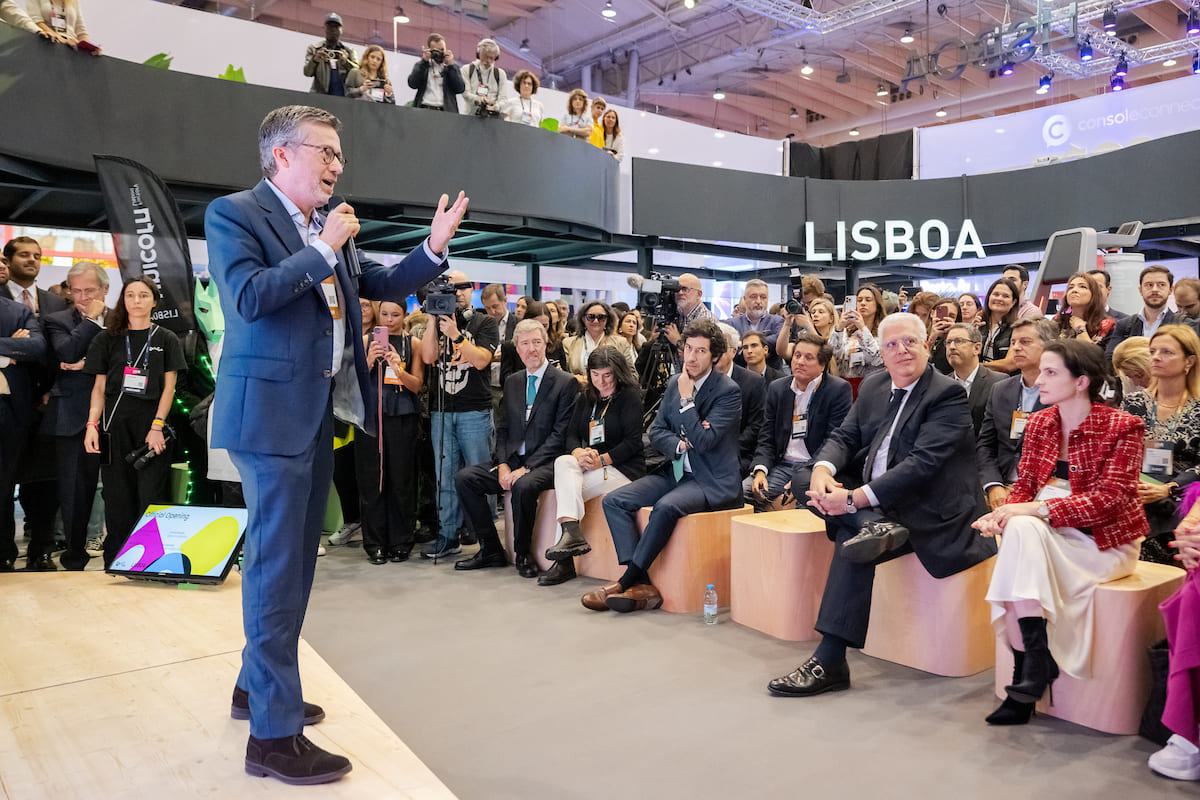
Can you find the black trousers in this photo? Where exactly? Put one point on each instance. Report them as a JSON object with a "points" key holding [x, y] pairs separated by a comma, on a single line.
{"points": [[12, 444], [474, 484], [389, 517], [127, 491], [78, 474], [345, 480]]}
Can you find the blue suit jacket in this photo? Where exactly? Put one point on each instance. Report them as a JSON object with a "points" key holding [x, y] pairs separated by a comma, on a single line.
{"points": [[274, 376], [714, 453], [997, 452], [827, 409], [70, 336], [26, 355]]}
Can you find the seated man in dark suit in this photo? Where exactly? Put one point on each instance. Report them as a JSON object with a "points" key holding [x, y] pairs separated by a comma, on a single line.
{"points": [[1013, 399], [1154, 284], [798, 417], [22, 348], [696, 429], [755, 352], [754, 393], [898, 476], [531, 430], [963, 345]]}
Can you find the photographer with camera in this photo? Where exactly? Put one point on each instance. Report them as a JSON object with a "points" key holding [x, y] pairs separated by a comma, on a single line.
{"points": [[484, 81], [135, 363], [329, 62], [436, 78], [460, 350], [369, 81]]}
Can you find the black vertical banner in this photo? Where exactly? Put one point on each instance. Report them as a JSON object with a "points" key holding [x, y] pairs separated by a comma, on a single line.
{"points": [[149, 236]]}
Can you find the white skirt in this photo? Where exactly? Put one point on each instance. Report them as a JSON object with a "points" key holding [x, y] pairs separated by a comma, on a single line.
{"points": [[1059, 568]]}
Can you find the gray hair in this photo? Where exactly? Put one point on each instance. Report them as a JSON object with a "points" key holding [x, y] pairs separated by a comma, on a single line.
{"points": [[282, 127], [1046, 330], [973, 333], [489, 45], [733, 339], [81, 267], [903, 318], [756, 282], [528, 326]]}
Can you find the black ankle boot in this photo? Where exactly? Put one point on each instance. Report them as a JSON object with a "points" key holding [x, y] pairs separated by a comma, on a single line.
{"points": [[1012, 712], [1039, 670], [571, 544]]}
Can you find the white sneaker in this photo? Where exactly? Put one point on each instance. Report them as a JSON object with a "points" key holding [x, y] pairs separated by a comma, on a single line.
{"points": [[1180, 760], [320, 550], [350, 532], [95, 546]]}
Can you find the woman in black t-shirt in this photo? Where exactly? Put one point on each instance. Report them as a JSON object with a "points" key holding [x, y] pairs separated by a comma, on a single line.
{"points": [[135, 363]]}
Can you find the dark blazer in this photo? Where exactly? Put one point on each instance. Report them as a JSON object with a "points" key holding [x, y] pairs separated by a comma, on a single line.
{"points": [[827, 410], [981, 391], [509, 326], [5, 291], [70, 334], [1131, 325], [931, 484], [997, 452], [714, 452], [622, 431], [274, 374], [16, 407], [754, 393], [47, 302], [452, 84], [545, 433]]}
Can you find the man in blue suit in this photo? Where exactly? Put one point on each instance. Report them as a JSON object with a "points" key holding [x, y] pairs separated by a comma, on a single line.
{"points": [[697, 430], [22, 348], [293, 357]]}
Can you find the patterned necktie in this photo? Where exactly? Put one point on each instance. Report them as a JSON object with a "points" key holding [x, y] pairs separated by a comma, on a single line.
{"points": [[27, 299]]}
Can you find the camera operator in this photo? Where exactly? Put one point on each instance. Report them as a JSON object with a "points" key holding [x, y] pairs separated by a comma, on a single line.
{"points": [[436, 79], [689, 302], [460, 349], [329, 62], [484, 81]]}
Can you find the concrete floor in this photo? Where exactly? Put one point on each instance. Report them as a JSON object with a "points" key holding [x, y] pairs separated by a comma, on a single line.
{"points": [[510, 690]]}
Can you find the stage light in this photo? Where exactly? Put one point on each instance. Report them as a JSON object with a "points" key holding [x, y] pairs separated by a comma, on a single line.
{"points": [[1043, 84], [795, 114], [908, 37], [854, 131], [806, 68], [1170, 62], [718, 94], [941, 112], [882, 91], [1085, 50], [400, 16], [1193, 21], [609, 11], [1122, 67], [1109, 20], [1196, 64], [1117, 83], [1007, 68]]}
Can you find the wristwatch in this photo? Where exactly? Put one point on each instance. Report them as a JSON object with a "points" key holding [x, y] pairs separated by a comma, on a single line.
{"points": [[850, 507], [462, 337]]}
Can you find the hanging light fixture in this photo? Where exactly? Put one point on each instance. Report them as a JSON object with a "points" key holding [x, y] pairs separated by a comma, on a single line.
{"points": [[1007, 68], [718, 94], [1085, 49], [882, 91], [1170, 62], [689, 3], [1117, 83], [908, 37], [806, 68], [400, 16], [795, 114], [941, 112], [1193, 21], [1109, 19], [1043, 84], [608, 12], [854, 131], [1196, 64], [1122, 67], [524, 46]]}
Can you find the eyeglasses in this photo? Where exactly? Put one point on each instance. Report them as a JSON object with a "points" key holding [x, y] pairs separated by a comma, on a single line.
{"points": [[957, 342], [84, 292], [596, 317], [905, 342], [328, 154]]}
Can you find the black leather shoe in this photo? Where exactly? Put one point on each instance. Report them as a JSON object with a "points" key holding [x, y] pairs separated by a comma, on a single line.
{"points": [[240, 708], [7, 565], [42, 563], [811, 678], [294, 760], [377, 557], [526, 567], [481, 560], [561, 572], [875, 539], [399, 554]]}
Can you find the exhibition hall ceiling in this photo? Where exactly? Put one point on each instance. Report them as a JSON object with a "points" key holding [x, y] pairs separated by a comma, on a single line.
{"points": [[755, 51]]}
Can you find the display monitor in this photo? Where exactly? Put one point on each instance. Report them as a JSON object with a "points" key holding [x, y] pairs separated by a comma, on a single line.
{"points": [[182, 544], [1067, 252]]}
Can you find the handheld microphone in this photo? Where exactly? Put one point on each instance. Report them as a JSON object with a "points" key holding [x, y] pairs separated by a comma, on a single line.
{"points": [[349, 251], [635, 281]]}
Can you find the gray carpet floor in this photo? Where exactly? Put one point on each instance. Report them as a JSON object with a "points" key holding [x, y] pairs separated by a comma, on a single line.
{"points": [[511, 690]]}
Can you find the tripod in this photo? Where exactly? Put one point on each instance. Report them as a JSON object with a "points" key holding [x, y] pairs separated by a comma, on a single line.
{"points": [[658, 369]]}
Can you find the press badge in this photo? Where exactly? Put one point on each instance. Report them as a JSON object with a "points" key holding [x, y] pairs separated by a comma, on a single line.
{"points": [[58, 22], [1159, 459], [376, 95], [856, 355], [595, 432], [1055, 487], [390, 377], [799, 425], [331, 298], [1019, 418], [135, 381]]}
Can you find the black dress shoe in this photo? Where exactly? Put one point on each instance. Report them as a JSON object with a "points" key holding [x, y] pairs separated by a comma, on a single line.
{"points": [[481, 560], [377, 557], [240, 708], [294, 760], [875, 539], [399, 554], [811, 678], [7, 565], [526, 567], [561, 572], [466, 535], [74, 562], [42, 563]]}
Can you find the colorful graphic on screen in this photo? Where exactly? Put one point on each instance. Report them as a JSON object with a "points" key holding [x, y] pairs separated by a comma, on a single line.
{"points": [[182, 540]]}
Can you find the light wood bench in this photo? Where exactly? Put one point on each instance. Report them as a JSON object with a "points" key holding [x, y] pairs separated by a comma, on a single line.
{"points": [[779, 562], [936, 625], [696, 555], [545, 528], [1127, 621]]}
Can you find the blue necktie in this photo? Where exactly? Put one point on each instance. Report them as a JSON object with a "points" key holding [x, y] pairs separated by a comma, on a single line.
{"points": [[531, 390]]}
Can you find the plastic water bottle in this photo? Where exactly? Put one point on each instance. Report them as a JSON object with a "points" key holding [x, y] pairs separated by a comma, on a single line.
{"points": [[710, 605]]}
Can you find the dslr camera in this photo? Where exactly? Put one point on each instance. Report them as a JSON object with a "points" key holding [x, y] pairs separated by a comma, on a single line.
{"points": [[656, 300], [440, 296], [483, 110], [796, 304], [438, 55]]}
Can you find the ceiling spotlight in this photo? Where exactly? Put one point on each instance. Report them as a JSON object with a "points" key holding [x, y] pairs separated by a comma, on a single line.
{"points": [[1122, 67], [1043, 84], [908, 37], [1085, 50], [795, 114], [941, 112], [1193, 21], [718, 94], [608, 11], [400, 16], [1007, 68], [882, 91], [1170, 62], [1117, 83], [854, 131], [1109, 20], [806, 68], [689, 3], [524, 46]]}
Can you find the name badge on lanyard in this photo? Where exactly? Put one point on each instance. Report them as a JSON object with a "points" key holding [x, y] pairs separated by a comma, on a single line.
{"points": [[1019, 420], [136, 381], [595, 432], [1159, 459], [799, 425], [390, 377], [331, 298], [58, 22], [856, 355]]}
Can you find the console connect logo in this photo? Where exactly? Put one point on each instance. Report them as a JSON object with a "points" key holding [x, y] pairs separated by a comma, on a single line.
{"points": [[1056, 131]]}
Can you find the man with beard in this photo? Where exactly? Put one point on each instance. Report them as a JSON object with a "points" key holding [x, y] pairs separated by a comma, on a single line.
{"points": [[1154, 284]]}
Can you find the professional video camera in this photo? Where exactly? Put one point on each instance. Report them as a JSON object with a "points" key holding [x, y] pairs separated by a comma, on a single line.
{"points": [[796, 304], [656, 298], [440, 298]]}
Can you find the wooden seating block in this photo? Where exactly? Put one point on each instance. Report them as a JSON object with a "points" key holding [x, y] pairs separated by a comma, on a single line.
{"points": [[696, 555], [1127, 621], [601, 562], [778, 565], [545, 528], [935, 625]]}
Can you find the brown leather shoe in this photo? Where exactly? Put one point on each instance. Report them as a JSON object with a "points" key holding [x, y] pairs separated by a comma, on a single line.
{"points": [[642, 597], [595, 598]]}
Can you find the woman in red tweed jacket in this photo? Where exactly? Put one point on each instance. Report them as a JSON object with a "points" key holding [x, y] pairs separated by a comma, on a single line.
{"points": [[1073, 521]]}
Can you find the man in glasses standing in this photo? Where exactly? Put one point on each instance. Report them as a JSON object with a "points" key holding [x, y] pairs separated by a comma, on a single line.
{"points": [[897, 476], [293, 358]]}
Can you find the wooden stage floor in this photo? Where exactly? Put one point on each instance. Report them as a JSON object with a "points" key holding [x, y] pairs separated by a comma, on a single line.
{"points": [[111, 688]]}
